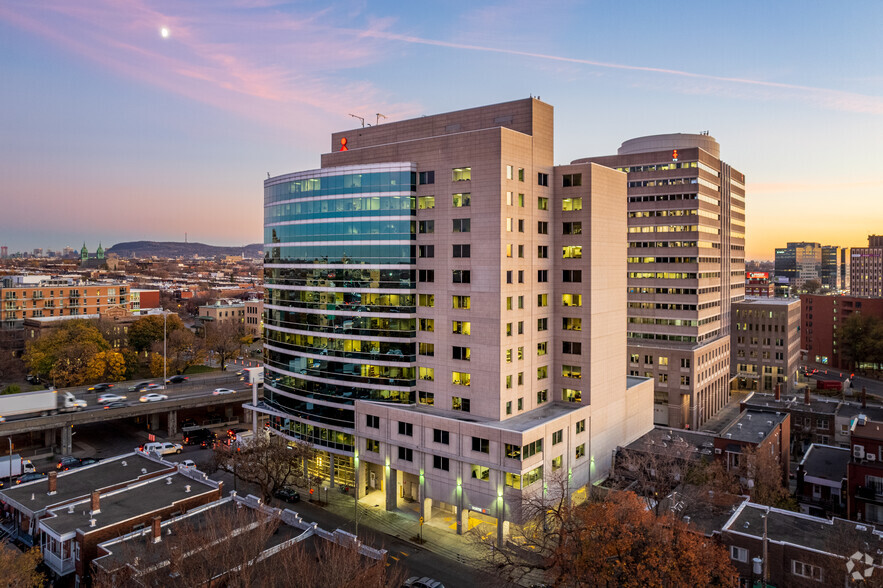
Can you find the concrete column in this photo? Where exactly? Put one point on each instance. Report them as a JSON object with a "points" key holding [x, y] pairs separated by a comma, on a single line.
{"points": [[502, 531], [390, 482], [172, 427], [425, 507], [49, 438], [331, 470], [462, 521], [67, 440], [154, 422]]}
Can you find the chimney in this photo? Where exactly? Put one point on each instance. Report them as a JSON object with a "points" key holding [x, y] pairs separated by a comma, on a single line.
{"points": [[778, 391], [806, 396], [157, 529], [53, 483], [864, 397], [96, 503]]}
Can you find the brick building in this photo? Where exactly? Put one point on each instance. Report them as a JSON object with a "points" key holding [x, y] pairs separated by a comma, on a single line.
{"points": [[820, 316]]}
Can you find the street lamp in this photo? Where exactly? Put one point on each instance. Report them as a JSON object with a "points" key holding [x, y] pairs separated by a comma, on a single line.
{"points": [[164, 315]]}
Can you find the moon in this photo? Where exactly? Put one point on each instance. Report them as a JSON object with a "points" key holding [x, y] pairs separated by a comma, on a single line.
{"points": [[164, 33]]}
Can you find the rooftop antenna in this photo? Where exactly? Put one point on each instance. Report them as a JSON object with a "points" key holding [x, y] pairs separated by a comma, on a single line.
{"points": [[361, 118], [377, 121]]}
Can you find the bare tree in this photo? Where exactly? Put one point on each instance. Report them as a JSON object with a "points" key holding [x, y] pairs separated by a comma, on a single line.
{"points": [[655, 468], [225, 339], [266, 460]]}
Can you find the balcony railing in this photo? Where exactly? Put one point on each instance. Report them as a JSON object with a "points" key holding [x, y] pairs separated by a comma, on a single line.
{"points": [[60, 566]]}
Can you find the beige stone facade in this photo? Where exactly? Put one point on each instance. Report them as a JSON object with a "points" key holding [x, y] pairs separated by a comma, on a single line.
{"points": [[766, 344]]}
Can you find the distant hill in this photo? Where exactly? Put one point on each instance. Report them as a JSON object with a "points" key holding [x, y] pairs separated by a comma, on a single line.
{"points": [[172, 249]]}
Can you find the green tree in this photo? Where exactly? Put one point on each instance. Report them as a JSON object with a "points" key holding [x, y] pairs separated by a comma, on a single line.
{"points": [[860, 338], [65, 354], [147, 330]]}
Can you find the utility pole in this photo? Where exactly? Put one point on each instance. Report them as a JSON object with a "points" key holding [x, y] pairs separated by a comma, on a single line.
{"points": [[164, 315]]}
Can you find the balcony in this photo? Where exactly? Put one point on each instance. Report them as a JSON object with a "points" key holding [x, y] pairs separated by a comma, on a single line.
{"points": [[60, 566]]}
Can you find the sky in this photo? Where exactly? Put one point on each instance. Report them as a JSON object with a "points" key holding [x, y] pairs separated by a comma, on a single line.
{"points": [[111, 131]]}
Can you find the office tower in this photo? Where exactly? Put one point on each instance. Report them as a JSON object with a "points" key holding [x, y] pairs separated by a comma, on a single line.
{"points": [[800, 263], [830, 271], [686, 265], [844, 269], [866, 269], [444, 313], [4, 252], [766, 343]]}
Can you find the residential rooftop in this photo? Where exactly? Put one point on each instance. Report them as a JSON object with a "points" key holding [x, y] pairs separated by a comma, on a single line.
{"points": [[826, 462], [753, 426]]}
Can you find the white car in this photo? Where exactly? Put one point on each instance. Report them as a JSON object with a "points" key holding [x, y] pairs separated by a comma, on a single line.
{"points": [[105, 398], [163, 448], [188, 463], [219, 391], [153, 397]]}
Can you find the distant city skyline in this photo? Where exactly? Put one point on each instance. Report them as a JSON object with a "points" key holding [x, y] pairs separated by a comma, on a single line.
{"points": [[115, 131]]}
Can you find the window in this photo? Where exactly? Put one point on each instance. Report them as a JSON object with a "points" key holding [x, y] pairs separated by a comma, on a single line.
{"points": [[426, 373], [426, 349], [581, 426], [571, 371], [510, 172], [520, 174], [520, 276], [521, 200], [425, 202], [372, 421], [426, 275], [572, 204], [481, 473], [542, 179], [441, 463], [542, 203], [542, 300], [542, 227], [461, 225], [542, 324], [461, 404], [572, 347], [508, 329], [521, 227], [461, 174], [571, 300], [480, 445], [462, 199], [738, 553], [513, 451], [542, 372], [571, 395], [426, 177], [571, 180], [427, 300], [542, 396], [461, 302], [508, 198], [557, 436], [440, 436], [462, 250], [461, 327], [406, 429], [521, 302], [509, 276], [542, 276], [685, 380], [520, 401], [461, 276], [543, 251], [521, 251], [542, 348], [406, 454], [572, 276], [509, 250], [427, 325], [427, 398], [804, 570], [685, 363], [426, 250], [572, 324], [580, 450], [532, 449], [556, 463], [461, 379], [573, 228], [648, 359], [372, 445], [513, 480], [461, 353], [427, 226], [508, 356], [572, 252]]}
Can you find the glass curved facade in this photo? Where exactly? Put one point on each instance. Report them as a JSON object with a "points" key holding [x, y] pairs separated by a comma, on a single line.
{"points": [[339, 297]]}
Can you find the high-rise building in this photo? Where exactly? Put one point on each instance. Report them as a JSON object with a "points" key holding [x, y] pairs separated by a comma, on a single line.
{"points": [[444, 313], [766, 343], [830, 274], [866, 268], [4, 252], [844, 269], [799, 263], [686, 233]]}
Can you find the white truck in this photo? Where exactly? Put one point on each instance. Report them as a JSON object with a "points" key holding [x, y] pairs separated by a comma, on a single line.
{"points": [[44, 402], [15, 465]]}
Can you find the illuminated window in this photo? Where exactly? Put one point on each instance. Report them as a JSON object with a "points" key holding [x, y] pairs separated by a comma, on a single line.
{"points": [[580, 451], [573, 324], [461, 327], [427, 325], [426, 300], [542, 348], [372, 445], [426, 373], [542, 300], [481, 473], [572, 300], [461, 302], [462, 199], [461, 174], [461, 404], [572, 252], [461, 379], [581, 426], [427, 398], [426, 349], [542, 372], [571, 395], [571, 371], [542, 203], [572, 204], [425, 202]]}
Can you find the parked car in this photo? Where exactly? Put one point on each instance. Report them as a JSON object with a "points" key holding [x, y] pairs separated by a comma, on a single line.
{"points": [[108, 397], [424, 582], [100, 387], [196, 435], [139, 386], [188, 423], [68, 462], [178, 379], [188, 463], [162, 448], [88, 461], [219, 391], [153, 397], [115, 405], [23, 479], [287, 494]]}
